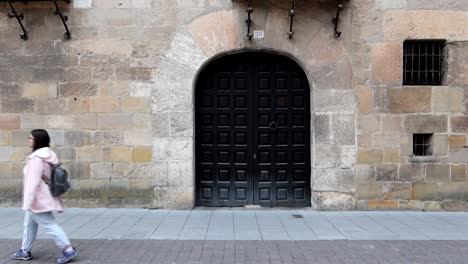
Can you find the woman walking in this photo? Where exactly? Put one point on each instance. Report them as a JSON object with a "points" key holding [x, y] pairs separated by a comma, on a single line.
{"points": [[38, 201]]}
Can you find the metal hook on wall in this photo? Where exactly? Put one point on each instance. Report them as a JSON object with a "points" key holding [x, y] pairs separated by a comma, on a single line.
{"points": [[19, 18], [249, 21], [292, 13], [336, 19]]}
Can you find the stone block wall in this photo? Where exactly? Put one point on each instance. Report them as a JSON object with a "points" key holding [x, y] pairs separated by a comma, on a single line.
{"points": [[388, 175], [118, 97]]}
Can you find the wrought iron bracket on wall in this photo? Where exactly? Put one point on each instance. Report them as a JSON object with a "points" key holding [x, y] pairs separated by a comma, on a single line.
{"points": [[20, 16], [292, 13], [336, 19], [249, 21]]}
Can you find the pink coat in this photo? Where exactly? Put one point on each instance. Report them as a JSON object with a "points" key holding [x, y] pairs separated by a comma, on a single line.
{"points": [[36, 193]]}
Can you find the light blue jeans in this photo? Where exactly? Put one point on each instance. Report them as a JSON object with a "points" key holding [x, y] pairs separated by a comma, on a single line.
{"points": [[47, 220]]}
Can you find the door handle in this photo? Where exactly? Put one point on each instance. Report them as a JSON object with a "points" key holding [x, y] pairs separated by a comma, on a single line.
{"points": [[273, 126]]}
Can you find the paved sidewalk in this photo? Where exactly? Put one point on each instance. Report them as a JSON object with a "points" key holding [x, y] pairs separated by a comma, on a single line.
{"points": [[278, 225], [249, 252]]}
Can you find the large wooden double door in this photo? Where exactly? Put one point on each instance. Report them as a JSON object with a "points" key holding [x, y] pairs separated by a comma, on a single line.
{"points": [[252, 138]]}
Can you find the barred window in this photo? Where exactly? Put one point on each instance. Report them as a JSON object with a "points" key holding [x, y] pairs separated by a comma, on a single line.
{"points": [[423, 62], [422, 144]]}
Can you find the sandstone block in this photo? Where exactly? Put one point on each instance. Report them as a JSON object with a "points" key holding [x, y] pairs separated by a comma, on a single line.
{"points": [[180, 173], [19, 154], [108, 138], [367, 156], [447, 99], [9, 90], [160, 124], [160, 172], [454, 191], [88, 154], [412, 205], [426, 123], [133, 170], [4, 138], [40, 90], [387, 62], [140, 185], [365, 99], [334, 101], [425, 191], [387, 172], [78, 105], [386, 140], [88, 121], [140, 88], [66, 154], [136, 104], [410, 172], [391, 155], [347, 157], [101, 170], [459, 173], [397, 191], [77, 138], [113, 88], [454, 206], [325, 155], [18, 105], [364, 140], [437, 173], [364, 173], [173, 149], [343, 127], [410, 99], [333, 201], [51, 106], [57, 137], [368, 124], [33, 121], [369, 191], [335, 76], [390, 123], [382, 204], [104, 104], [322, 128], [458, 155], [457, 141], [138, 138], [181, 124], [5, 171], [141, 154], [61, 121], [456, 64], [75, 89], [19, 138], [117, 154], [142, 121], [432, 206], [115, 121], [459, 124], [422, 24], [440, 144]]}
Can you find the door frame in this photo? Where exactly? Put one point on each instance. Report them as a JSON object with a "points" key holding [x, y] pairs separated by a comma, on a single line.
{"points": [[222, 54]]}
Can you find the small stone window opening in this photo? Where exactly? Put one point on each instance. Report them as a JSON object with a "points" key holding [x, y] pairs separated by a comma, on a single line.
{"points": [[423, 62], [422, 144]]}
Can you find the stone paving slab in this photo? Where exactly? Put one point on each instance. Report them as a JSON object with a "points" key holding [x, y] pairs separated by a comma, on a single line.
{"points": [[233, 252], [254, 225]]}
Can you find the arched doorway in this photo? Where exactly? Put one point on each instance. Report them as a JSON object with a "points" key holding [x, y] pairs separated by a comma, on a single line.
{"points": [[252, 132]]}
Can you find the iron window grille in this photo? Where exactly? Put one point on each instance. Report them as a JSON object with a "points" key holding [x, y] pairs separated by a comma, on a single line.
{"points": [[423, 62], [422, 144]]}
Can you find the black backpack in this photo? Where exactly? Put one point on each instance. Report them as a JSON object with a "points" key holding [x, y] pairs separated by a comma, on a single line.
{"points": [[59, 182]]}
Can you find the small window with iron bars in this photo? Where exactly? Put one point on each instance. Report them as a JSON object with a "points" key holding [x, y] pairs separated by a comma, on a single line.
{"points": [[423, 62], [422, 144]]}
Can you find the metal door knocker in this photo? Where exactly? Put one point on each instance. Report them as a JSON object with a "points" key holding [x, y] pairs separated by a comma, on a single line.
{"points": [[273, 126]]}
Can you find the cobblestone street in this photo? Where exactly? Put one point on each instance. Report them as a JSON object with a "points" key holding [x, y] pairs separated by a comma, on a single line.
{"points": [[177, 251]]}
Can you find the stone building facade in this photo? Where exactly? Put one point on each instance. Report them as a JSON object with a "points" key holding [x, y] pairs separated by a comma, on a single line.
{"points": [[120, 98]]}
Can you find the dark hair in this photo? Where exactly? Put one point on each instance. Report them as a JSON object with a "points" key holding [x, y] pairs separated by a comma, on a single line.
{"points": [[41, 139]]}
